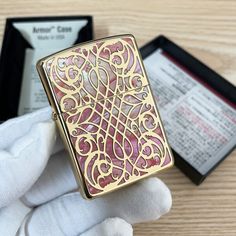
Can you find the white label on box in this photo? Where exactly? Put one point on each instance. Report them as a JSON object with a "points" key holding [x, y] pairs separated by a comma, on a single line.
{"points": [[46, 34], [32, 96], [45, 38], [200, 126]]}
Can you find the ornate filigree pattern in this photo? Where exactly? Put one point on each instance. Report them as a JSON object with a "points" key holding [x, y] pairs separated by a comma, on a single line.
{"points": [[95, 72], [106, 103]]}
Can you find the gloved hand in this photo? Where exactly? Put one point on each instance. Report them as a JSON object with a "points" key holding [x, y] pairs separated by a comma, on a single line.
{"points": [[38, 197]]}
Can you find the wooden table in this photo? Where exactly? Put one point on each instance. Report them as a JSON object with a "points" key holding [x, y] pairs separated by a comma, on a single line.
{"points": [[207, 29]]}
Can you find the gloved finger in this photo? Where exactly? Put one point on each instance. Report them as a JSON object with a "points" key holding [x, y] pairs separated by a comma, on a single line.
{"points": [[22, 163], [11, 217], [71, 215], [56, 180], [13, 129], [110, 227]]}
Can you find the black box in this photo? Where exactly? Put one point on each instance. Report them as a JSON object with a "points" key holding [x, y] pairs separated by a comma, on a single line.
{"points": [[16, 43], [197, 106]]}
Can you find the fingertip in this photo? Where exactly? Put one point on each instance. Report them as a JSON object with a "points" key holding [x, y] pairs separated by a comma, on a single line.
{"points": [[110, 227], [16, 128], [161, 192], [148, 199], [48, 135]]}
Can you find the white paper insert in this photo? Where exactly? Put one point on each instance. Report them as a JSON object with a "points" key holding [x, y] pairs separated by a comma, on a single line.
{"points": [[45, 38], [200, 126]]}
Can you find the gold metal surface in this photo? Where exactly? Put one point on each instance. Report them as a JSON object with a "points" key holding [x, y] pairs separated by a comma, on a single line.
{"points": [[106, 113]]}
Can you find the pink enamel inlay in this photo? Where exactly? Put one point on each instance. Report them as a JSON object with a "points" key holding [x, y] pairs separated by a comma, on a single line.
{"points": [[110, 113]]}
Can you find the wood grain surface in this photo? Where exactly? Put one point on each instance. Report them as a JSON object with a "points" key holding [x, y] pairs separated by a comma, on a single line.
{"points": [[207, 29]]}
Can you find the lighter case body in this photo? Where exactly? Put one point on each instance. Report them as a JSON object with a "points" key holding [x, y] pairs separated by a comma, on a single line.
{"points": [[106, 113]]}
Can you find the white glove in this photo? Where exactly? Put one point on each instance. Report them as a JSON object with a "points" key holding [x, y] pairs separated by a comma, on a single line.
{"points": [[38, 197]]}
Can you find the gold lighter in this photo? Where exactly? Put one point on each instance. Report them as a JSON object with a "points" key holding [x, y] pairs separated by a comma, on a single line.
{"points": [[106, 113]]}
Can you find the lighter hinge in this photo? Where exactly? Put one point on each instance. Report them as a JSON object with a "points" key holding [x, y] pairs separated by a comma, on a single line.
{"points": [[54, 115]]}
